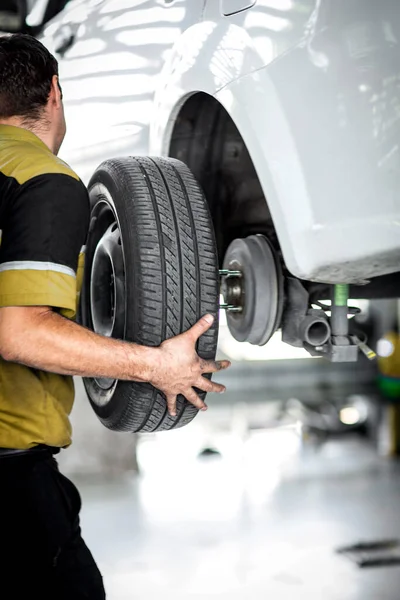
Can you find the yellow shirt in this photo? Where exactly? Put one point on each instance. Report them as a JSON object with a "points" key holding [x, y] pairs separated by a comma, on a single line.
{"points": [[44, 217]]}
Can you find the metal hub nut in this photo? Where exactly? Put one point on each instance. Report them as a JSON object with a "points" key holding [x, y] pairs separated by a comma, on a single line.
{"points": [[232, 290]]}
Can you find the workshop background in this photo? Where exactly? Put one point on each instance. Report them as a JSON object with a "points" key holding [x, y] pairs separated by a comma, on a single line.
{"points": [[257, 496]]}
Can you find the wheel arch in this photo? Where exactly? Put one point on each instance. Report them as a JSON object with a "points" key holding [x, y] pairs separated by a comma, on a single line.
{"points": [[197, 67], [204, 136]]}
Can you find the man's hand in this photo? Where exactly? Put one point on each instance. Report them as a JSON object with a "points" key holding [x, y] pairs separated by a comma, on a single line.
{"points": [[180, 369]]}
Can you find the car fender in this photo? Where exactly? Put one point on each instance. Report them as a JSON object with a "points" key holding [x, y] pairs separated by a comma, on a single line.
{"points": [[320, 169], [198, 63]]}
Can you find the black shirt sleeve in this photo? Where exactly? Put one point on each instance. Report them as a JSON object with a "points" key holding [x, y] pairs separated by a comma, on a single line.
{"points": [[44, 229]]}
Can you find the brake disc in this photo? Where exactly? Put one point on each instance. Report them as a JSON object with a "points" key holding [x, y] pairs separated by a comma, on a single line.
{"points": [[252, 287]]}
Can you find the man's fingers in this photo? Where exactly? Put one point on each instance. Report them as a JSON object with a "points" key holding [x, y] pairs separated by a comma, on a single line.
{"points": [[171, 403], [209, 386], [200, 327], [194, 399], [212, 366]]}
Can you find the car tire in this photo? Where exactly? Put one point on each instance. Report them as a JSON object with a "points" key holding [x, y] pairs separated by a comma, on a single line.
{"points": [[151, 272]]}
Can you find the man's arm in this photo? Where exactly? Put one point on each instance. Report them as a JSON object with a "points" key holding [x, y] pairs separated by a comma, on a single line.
{"points": [[40, 338]]}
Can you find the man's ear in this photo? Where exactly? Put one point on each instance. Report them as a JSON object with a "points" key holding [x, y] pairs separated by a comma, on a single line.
{"points": [[55, 92]]}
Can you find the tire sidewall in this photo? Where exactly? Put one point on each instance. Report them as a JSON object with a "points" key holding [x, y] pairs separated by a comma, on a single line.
{"points": [[103, 188]]}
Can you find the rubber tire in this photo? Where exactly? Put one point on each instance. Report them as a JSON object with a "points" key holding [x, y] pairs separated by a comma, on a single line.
{"points": [[171, 277]]}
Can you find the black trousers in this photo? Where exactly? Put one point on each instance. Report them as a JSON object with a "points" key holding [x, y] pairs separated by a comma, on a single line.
{"points": [[42, 553]]}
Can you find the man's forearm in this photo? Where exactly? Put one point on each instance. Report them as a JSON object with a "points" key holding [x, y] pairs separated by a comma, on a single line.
{"points": [[45, 340]]}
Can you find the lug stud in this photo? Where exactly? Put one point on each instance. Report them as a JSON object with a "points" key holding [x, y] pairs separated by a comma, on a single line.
{"points": [[228, 273]]}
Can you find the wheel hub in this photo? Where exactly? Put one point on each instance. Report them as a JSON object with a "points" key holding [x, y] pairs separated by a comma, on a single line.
{"points": [[232, 290], [107, 285], [252, 287]]}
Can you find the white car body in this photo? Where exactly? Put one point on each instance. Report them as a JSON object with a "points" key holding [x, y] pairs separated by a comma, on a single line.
{"points": [[312, 86]]}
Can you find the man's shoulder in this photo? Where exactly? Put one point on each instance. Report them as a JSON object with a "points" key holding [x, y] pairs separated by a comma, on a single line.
{"points": [[24, 162]]}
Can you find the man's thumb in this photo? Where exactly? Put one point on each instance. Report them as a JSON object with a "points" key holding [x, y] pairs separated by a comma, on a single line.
{"points": [[201, 327]]}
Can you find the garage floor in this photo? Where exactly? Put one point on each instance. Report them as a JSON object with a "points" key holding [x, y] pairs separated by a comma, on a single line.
{"points": [[260, 522]]}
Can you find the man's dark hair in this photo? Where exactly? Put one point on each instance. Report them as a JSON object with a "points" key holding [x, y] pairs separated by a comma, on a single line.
{"points": [[26, 72]]}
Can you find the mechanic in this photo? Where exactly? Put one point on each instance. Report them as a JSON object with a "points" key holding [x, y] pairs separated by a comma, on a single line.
{"points": [[44, 218]]}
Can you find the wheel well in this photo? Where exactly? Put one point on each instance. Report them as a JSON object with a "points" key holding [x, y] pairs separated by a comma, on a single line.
{"points": [[207, 140]]}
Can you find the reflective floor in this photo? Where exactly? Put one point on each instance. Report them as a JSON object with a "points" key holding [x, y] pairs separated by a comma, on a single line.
{"points": [[261, 520]]}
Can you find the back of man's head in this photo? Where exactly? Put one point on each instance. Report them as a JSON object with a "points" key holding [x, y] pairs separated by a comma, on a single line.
{"points": [[26, 72]]}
